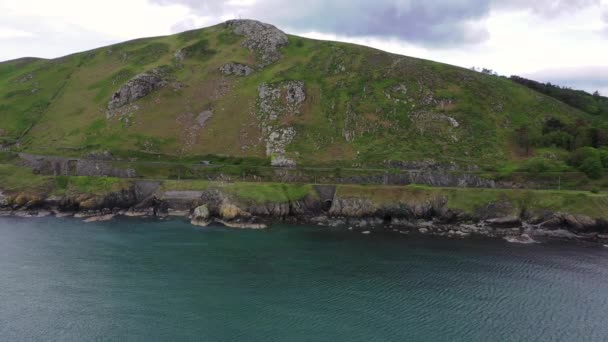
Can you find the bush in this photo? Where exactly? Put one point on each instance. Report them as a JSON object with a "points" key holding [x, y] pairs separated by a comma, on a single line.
{"points": [[580, 155], [540, 164], [592, 167], [604, 157], [557, 139]]}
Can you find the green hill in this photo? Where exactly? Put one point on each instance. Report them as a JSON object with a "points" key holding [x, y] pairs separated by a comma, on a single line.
{"points": [[245, 89]]}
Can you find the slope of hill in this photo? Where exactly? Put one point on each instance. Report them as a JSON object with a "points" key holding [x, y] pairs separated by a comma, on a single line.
{"points": [[590, 103], [246, 89]]}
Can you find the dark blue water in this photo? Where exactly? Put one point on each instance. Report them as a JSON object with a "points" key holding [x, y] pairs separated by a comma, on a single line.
{"points": [[62, 280]]}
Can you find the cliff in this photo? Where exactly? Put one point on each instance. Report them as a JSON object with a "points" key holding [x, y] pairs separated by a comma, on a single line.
{"points": [[410, 209]]}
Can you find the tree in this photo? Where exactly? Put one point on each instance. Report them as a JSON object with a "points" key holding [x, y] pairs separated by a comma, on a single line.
{"points": [[596, 94]]}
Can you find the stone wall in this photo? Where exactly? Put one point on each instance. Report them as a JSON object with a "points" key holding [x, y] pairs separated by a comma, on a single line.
{"points": [[63, 166]]}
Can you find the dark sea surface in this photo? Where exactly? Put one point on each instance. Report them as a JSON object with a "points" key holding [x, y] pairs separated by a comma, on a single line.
{"points": [[149, 280]]}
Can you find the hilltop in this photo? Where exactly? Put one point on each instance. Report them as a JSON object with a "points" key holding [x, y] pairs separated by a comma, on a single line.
{"points": [[247, 90]]}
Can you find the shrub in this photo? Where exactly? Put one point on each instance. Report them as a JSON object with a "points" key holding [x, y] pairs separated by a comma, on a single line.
{"points": [[580, 155], [592, 167], [540, 164]]}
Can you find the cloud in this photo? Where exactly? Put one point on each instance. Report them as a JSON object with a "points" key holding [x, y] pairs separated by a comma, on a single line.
{"points": [[605, 19], [547, 8], [430, 23], [9, 32]]}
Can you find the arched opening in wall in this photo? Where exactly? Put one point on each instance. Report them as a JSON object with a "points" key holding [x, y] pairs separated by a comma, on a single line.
{"points": [[327, 205], [387, 219]]}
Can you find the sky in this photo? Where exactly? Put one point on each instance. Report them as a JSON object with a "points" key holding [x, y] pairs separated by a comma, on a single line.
{"points": [[559, 41]]}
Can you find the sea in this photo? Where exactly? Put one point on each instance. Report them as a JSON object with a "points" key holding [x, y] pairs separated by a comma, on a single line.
{"points": [[166, 280]]}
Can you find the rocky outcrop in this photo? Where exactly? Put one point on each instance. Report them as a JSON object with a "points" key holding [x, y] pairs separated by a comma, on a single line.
{"points": [[236, 69], [201, 216], [276, 102], [138, 87], [431, 216], [263, 39]]}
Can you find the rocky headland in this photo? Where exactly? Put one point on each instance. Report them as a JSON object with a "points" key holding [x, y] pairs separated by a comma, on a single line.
{"points": [[416, 211]]}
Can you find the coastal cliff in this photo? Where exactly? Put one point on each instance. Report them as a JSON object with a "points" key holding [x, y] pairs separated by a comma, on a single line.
{"points": [[518, 215]]}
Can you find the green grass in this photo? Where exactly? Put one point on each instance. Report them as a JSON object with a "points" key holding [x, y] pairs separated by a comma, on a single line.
{"points": [[269, 192], [470, 200], [18, 179], [89, 185], [14, 178], [59, 106]]}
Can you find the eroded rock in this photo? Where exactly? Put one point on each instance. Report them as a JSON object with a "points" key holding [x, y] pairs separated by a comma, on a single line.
{"points": [[236, 69], [277, 101], [521, 239], [200, 216], [263, 39], [4, 200], [138, 87]]}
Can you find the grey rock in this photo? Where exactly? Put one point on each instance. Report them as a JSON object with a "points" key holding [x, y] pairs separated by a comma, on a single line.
{"points": [[138, 87], [296, 93], [100, 218], [522, 239], [236, 69], [4, 200], [504, 222], [202, 118], [282, 161], [100, 155], [579, 222], [276, 101], [200, 216], [264, 39], [180, 55]]}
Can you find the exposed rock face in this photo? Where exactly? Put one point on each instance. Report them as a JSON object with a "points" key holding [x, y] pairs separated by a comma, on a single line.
{"points": [[579, 223], [138, 87], [202, 118], [524, 239], [282, 161], [263, 39], [180, 55], [200, 216], [236, 69], [278, 101], [100, 155], [504, 222], [3, 200], [430, 217]]}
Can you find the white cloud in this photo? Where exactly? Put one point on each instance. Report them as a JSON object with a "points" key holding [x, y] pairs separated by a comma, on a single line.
{"points": [[518, 37], [8, 32]]}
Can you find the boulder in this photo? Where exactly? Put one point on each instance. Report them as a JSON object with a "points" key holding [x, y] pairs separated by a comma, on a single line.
{"points": [[138, 87], [521, 239], [282, 161], [504, 222], [229, 211], [201, 216], [4, 200], [579, 222], [100, 218], [236, 69]]}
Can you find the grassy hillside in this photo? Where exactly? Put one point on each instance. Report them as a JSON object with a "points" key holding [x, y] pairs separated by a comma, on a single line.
{"points": [[362, 106]]}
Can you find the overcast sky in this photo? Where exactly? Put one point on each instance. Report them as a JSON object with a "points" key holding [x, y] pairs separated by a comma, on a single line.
{"points": [[561, 41]]}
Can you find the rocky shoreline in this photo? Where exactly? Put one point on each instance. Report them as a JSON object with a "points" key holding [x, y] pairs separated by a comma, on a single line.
{"points": [[324, 208]]}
